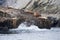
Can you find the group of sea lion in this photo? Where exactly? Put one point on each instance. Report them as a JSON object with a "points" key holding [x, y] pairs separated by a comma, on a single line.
{"points": [[45, 22], [18, 16]]}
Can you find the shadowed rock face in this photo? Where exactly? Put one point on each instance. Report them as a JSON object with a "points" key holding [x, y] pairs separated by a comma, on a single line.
{"points": [[11, 18]]}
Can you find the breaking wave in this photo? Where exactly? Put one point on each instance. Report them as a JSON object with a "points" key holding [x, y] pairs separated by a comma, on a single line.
{"points": [[25, 29]]}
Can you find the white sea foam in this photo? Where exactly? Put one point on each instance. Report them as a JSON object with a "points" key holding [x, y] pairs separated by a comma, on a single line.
{"points": [[29, 28]]}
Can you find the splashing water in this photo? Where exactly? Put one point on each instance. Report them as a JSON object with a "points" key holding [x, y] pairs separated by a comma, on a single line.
{"points": [[23, 28]]}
